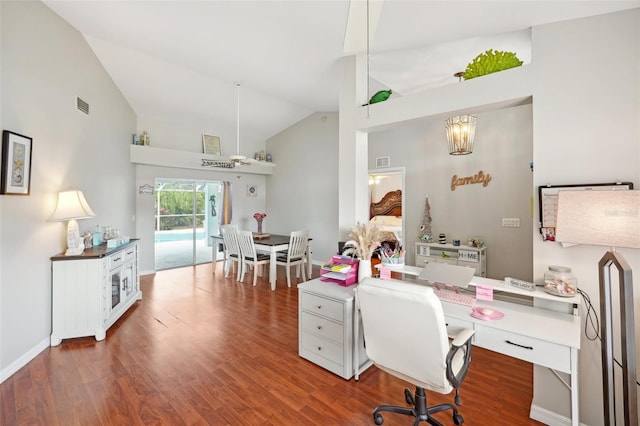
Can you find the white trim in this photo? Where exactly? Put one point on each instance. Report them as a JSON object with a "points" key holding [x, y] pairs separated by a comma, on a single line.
{"points": [[548, 417], [24, 359]]}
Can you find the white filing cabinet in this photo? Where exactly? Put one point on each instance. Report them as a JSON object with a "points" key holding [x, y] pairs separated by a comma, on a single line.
{"points": [[325, 326], [92, 290], [473, 257]]}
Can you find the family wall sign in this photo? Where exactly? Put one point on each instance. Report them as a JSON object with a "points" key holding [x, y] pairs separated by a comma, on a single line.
{"points": [[479, 177]]}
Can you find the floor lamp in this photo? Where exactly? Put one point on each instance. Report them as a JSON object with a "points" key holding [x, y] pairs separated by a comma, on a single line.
{"points": [[608, 218]]}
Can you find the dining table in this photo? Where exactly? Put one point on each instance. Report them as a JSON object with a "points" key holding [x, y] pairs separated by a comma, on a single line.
{"points": [[271, 243]]}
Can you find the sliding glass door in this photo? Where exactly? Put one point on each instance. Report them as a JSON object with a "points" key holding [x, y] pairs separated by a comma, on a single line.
{"points": [[186, 215]]}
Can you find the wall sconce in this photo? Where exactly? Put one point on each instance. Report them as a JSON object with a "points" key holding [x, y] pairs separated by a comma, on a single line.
{"points": [[461, 131], [71, 206]]}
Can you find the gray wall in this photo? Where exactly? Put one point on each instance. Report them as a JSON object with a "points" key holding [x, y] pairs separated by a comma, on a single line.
{"points": [[503, 150], [45, 65]]}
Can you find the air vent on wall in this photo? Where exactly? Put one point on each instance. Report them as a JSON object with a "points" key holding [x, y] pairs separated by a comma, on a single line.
{"points": [[383, 161], [82, 106]]}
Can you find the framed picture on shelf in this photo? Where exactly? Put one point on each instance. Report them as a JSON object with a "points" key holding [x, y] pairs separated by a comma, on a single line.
{"points": [[16, 164], [211, 144]]}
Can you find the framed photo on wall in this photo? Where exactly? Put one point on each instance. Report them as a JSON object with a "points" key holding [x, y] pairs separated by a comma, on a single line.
{"points": [[211, 144], [16, 164]]}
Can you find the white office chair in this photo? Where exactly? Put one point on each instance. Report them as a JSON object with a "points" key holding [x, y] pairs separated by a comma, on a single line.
{"points": [[249, 256], [295, 255], [231, 248], [405, 335]]}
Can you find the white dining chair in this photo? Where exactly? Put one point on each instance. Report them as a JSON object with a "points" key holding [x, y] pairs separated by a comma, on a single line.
{"points": [[231, 249], [249, 256], [295, 255]]}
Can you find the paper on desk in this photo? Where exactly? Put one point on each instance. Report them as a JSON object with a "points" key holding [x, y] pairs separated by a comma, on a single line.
{"points": [[385, 273], [484, 292]]}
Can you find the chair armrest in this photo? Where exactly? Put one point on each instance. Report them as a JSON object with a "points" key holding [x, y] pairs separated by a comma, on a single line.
{"points": [[462, 337], [458, 358]]}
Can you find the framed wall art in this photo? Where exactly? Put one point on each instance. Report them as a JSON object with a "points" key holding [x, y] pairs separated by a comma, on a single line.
{"points": [[211, 144], [16, 164]]}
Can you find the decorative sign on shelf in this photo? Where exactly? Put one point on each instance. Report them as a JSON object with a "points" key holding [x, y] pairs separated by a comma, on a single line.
{"points": [[479, 177]]}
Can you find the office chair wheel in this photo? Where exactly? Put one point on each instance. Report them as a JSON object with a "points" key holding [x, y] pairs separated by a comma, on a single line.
{"points": [[377, 418], [408, 396], [457, 419]]}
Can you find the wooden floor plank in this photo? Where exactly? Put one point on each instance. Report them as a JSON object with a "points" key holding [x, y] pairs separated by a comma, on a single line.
{"points": [[200, 349]]}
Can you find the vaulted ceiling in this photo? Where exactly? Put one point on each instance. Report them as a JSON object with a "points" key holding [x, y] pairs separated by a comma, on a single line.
{"points": [[179, 60]]}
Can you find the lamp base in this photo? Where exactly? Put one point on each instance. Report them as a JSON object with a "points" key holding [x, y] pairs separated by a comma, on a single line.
{"points": [[75, 244]]}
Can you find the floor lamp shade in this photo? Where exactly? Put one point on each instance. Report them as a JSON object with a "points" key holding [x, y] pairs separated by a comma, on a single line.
{"points": [[72, 206], [609, 218]]}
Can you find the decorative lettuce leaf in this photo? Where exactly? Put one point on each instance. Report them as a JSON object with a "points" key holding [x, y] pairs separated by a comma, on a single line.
{"points": [[490, 62]]}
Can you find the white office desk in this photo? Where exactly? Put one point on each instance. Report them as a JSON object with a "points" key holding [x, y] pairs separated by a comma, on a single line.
{"points": [[546, 334]]}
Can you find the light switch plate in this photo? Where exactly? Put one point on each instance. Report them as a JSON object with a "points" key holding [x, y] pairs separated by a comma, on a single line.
{"points": [[511, 222]]}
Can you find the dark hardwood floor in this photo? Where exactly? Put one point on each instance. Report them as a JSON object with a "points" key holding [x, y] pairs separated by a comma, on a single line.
{"points": [[203, 350]]}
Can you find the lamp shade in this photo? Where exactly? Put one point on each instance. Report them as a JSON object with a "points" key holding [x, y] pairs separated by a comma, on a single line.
{"points": [[71, 205], [599, 217]]}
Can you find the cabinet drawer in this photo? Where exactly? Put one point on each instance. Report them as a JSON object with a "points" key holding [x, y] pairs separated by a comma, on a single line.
{"points": [[116, 260], [321, 347], [525, 348], [322, 306], [321, 326], [129, 253], [473, 265]]}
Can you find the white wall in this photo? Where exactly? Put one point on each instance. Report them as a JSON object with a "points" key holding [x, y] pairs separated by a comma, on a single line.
{"points": [[586, 127], [303, 189], [45, 65]]}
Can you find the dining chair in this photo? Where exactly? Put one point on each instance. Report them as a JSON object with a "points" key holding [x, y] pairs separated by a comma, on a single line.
{"points": [[231, 251], [249, 256], [295, 254]]}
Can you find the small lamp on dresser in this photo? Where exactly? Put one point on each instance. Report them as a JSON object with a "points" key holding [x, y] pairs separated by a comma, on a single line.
{"points": [[72, 206]]}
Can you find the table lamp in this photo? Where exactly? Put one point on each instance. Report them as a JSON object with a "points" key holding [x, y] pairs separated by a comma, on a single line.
{"points": [[72, 206], [608, 218]]}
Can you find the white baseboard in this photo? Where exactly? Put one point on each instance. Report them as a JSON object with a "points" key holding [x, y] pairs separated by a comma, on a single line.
{"points": [[24, 359], [548, 417]]}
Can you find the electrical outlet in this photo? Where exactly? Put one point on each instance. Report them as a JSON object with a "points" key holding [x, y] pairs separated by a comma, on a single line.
{"points": [[511, 222]]}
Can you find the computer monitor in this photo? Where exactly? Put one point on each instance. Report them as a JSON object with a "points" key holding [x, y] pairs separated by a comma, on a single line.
{"points": [[444, 273]]}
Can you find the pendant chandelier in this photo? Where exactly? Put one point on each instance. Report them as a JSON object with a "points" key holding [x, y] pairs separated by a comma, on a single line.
{"points": [[238, 159], [461, 131]]}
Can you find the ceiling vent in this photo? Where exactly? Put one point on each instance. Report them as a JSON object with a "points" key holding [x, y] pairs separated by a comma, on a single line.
{"points": [[82, 105], [383, 162]]}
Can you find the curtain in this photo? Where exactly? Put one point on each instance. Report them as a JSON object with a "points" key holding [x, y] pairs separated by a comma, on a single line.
{"points": [[226, 203]]}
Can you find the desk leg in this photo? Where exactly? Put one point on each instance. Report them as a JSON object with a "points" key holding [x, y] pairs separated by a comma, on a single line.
{"points": [[309, 266], [575, 408], [272, 268]]}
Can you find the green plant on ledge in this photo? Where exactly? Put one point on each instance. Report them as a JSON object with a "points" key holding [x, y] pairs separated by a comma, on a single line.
{"points": [[489, 62]]}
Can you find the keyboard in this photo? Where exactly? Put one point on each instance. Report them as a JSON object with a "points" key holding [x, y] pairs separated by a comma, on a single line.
{"points": [[453, 297]]}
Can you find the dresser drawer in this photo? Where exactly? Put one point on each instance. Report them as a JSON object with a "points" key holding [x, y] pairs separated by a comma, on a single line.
{"points": [[321, 348], [321, 326], [539, 352], [322, 306]]}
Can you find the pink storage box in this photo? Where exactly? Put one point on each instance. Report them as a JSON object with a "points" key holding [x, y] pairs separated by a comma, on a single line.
{"points": [[341, 278]]}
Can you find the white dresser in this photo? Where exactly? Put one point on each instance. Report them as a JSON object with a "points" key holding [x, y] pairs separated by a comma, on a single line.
{"points": [[92, 290], [472, 257], [325, 327]]}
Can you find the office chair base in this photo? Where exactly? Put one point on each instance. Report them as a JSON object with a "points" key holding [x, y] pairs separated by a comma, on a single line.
{"points": [[419, 410]]}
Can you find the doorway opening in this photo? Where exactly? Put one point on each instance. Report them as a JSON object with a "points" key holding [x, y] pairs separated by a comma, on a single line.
{"points": [[186, 215]]}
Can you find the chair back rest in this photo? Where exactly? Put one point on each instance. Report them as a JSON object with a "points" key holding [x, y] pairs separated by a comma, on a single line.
{"points": [[230, 238], [298, 243], [405, 331], [247, 246]]}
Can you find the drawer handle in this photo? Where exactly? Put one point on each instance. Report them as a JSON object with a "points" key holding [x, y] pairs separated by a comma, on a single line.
{"points": [[319, 306], [319, 327], [521, 346], [319, 348]]}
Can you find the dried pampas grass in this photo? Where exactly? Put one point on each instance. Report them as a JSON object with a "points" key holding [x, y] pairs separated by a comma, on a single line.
{"points": [[365, 239]]}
